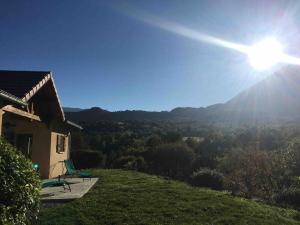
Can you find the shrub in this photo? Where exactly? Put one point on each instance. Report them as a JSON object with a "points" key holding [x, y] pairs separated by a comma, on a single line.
{"points": [[173, 160], [87, 159], [289, 197], [207, 178], [198, 163], [19, 187], [134, 152], [131, 163], [256, 173]]}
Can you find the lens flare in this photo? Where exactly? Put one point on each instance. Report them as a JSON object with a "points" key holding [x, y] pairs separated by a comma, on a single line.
{"points": [[265, 54], [261, 55]]}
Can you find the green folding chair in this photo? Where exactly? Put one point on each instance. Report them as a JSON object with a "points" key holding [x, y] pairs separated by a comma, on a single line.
{"points": [[56, 183], [71, 171]]}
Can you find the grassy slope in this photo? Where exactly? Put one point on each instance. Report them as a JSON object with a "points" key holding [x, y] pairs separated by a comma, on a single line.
{"points": [[125, 197]]}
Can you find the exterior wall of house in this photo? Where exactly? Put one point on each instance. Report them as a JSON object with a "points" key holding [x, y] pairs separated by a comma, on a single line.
{"points": [[40, 144], [1, 113], [44, 144], [57, 166]]}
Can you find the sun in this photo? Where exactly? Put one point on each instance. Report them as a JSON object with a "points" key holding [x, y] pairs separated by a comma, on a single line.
{"points": [[265, 54]]}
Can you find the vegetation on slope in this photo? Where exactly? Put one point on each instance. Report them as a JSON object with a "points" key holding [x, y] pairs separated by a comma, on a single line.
{"points": [[253, 162], [128, 197]]}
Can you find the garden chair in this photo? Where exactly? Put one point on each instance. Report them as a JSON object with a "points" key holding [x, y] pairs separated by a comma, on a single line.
{"points": [[71, 171], [56, 183]]}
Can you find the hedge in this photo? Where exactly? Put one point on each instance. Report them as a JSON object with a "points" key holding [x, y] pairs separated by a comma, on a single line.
{"points": [[19, 187]]}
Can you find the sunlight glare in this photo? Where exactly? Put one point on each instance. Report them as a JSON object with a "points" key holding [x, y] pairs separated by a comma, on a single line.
{"points": [[262, 55], [265, 54]]}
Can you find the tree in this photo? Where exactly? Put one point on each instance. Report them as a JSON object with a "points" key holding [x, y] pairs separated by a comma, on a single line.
{"points": [[96, 143], [172, 136], [213, 146], [153, 141], [77, 141]]}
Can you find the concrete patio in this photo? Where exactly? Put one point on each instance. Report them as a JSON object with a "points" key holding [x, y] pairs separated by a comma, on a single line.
{"points": [[57, 195]]}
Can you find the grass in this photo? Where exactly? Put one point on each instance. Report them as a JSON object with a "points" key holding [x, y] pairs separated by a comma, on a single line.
{"points": [[127, 197]]}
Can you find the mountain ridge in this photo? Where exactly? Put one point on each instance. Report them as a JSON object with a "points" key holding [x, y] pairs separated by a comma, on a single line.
{"points": [[276, 98]]}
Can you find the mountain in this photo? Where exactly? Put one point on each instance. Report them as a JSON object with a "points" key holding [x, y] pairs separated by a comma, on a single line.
{"points": [[274, 99], [97, 114], [277, 98], [70, 109]]}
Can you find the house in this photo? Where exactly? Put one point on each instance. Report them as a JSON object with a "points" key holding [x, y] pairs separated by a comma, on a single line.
{"points": [[32, 119]]}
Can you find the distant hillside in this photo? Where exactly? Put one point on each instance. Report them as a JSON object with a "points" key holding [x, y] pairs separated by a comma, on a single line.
{"points": [[70, 109], [98, 114], [277, 98]]}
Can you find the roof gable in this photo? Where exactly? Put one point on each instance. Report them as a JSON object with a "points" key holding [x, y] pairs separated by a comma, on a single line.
{"points": [[19, 83], [29, 85]]}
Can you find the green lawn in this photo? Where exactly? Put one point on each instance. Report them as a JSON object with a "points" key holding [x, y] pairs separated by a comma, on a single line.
{"points": [[125, 197]]}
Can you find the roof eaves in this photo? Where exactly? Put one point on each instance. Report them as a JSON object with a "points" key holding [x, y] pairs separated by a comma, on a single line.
{"points": [[37, 87], [59, 103], [74, 124], [12, 98]]}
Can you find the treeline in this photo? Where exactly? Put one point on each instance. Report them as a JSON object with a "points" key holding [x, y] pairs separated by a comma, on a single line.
{"points": [[253, 162]]}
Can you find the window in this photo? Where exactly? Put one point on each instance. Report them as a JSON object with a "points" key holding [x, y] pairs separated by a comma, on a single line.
{"points": [[60, 143]]}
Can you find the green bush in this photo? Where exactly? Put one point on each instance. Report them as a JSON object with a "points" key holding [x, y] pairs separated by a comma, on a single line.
{"points": [[251, 172], [172, 160], [19, 187], [131, 163], [289, 197], [84, 159], [207, 178]]}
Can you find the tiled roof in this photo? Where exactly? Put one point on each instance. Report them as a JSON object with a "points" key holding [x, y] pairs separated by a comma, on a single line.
{"points": [[19, 83]]}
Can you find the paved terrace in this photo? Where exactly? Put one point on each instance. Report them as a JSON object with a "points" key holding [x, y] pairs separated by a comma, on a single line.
{"points": [[57, 195]]}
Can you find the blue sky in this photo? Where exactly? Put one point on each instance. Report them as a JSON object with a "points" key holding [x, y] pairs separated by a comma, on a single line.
{"points": [[103, 56]]}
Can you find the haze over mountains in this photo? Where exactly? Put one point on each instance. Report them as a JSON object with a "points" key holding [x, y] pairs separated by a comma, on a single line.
{"points": [[275, 99]]}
